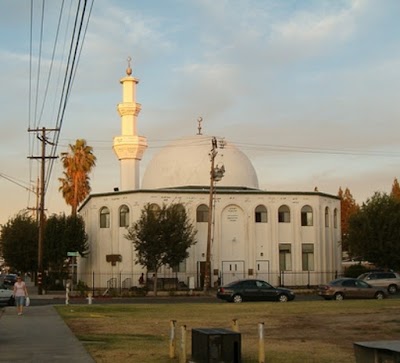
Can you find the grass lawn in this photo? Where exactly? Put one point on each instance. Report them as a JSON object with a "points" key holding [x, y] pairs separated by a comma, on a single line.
{"points": [[307, 332]]}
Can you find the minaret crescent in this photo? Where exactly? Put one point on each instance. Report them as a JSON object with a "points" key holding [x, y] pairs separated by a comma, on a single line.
{"points": [[129, 146]]}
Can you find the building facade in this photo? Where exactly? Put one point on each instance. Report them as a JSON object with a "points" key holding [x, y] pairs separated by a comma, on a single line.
{"points": [[286, 238]]}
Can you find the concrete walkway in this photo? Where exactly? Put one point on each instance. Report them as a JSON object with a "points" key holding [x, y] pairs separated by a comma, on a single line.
{"points": [[38, 336]]}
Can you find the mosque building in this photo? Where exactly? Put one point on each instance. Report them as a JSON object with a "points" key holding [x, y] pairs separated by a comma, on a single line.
{"points": [[286, 238]]}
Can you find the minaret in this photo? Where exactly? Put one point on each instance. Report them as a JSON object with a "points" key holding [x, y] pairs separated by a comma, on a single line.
{"points": [[129, 147]]}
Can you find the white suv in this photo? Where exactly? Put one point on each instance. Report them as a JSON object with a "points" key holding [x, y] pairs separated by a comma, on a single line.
{"points": [[390, 280], [6, 295]]}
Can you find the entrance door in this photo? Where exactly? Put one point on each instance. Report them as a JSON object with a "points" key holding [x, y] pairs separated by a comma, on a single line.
{"points": [[232, 271], [262, 270], [201, 273]]}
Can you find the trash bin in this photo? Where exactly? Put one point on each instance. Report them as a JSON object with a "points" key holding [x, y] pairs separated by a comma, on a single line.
{"points": [[216, 345], [382, 351]]}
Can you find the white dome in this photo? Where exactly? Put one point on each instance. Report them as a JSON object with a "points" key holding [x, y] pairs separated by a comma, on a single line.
{"points": [[186, 162]]}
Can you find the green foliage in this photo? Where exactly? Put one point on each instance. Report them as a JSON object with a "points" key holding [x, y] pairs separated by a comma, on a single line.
{"points": [[162, 237], [355, 270], [62, 235], [374, 231], [19, 243]]}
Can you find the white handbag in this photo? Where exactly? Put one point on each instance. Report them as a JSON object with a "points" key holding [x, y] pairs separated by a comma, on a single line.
{"points": [[27, 301]]}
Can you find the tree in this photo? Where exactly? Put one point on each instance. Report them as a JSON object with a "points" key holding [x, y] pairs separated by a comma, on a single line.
{"points": [[374, 231], [62, 235], [395, 193], [348, 207], [78, 163], [162, 237], [19, 243]]}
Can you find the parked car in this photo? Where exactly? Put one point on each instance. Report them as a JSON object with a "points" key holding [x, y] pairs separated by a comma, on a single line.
{"points": [[255, 290], [6, 295], [9, 279], [350, 288], [388, 280]]}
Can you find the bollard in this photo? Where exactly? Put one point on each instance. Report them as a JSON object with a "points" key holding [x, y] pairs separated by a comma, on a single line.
{"points": [[172, 339], [235, 325], [67, 294], [261, 351], [90, 298], [182, 355]]}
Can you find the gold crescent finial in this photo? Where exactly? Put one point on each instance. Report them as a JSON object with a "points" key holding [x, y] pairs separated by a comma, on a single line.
{"points": [[129, 69], [199, 121]]}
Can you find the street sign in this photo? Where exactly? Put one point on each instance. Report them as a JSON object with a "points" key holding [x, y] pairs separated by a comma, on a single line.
{"points": [[72, 254]]}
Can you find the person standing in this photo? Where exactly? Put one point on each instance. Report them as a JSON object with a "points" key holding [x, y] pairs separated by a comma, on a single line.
{"points": [[20, 294]]}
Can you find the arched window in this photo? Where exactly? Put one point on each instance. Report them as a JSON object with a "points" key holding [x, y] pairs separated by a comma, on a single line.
{"points": [[180, 208], [261, 215], [104, 217], [306, 216], [202, 213], [335, 217], [326, 217], [155, 208], [284, 214], [124, 216]]}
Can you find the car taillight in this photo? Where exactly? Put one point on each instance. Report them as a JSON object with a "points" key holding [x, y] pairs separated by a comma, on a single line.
{"points": [[221, 289]]}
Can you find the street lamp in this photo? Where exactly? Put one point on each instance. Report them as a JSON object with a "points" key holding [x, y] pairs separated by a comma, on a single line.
{"points": [[216, 174]]}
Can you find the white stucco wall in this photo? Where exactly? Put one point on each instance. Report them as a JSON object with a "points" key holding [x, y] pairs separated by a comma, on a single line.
{"points": [[239, 244]]}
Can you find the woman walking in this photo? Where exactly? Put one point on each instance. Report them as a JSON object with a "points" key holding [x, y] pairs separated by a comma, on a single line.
{"points": [[20, 294]]}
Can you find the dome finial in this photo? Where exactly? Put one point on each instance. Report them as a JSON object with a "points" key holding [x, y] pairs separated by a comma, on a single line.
{"points": [[129, 69], [199, 121]]}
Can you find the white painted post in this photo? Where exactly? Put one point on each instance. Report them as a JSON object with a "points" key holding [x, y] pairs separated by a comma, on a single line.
{"points": [[235, 325], [67, 294], [182, 355], [261, 350], [172, 339], [89, 298]]}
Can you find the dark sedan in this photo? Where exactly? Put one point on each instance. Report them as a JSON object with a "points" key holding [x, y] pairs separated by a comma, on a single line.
{"points": [[349, 288], [253, 290]]}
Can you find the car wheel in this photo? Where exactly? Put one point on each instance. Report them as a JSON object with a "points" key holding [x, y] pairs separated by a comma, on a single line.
{"points": [[282, 298], [379, 295], [237, 299], [11, 301], [392, 289], [338, 296]]}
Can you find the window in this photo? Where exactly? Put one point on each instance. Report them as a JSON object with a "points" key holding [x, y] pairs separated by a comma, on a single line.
{"points": [[307, 253], [124, 216], [284, 214], [202, 213], [261, 214], [285, 256], [306, 216], [155, 208], [181, 267], [104, 217], [326, 217], [335, 217]]}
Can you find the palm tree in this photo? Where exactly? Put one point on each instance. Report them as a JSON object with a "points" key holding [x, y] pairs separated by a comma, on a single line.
{"points": [[77, 163]]}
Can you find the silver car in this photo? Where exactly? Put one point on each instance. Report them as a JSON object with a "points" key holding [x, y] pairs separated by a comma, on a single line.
{"points": [[6, 295], [388, 280]]}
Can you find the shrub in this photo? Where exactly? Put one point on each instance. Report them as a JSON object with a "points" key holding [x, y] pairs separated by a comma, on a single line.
{"points": [[355, 270]]}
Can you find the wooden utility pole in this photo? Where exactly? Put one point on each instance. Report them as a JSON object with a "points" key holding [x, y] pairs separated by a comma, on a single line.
{"points": [[215, 175], [43, 158]]}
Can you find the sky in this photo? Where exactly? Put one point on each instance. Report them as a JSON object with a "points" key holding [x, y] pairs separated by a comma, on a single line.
{"points": [[308, 90]]}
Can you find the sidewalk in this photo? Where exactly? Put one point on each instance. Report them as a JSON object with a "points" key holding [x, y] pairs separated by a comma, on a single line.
{"points": [[38, 336]]}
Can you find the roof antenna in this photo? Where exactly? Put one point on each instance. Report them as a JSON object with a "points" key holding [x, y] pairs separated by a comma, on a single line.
{"points": [[199, 121]]}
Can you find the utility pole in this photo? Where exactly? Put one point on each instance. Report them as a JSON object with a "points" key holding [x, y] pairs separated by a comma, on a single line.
{"points": [[43, 158], [216, 174]]}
